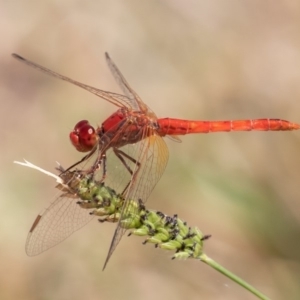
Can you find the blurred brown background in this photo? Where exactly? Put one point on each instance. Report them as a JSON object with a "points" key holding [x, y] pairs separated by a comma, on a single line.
{"points": [[206, 60]]}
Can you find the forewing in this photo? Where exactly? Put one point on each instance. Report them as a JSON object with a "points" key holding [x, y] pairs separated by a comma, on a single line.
{"points": [[63, 217], [116, 99], [136, 101]]}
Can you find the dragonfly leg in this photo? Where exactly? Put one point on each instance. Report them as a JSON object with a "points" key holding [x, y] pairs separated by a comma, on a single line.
{"points": [[80, 161], [100, 162], [120, 154]]}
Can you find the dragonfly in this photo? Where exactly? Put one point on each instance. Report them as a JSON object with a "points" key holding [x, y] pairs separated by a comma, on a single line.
{"points": [[134, 136]]}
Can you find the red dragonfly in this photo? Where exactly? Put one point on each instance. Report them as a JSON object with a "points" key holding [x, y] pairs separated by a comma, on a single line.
{"points": [[134, 135]]}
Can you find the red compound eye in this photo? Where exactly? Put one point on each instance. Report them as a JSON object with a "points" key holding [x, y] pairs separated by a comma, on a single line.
{"points": [[83, 137]]}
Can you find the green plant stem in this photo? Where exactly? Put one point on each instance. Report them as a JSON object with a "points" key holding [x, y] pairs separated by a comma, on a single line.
{"points": [[204, 258]]}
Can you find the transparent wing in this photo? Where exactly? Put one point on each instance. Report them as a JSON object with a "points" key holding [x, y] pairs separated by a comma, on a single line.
{"points": [[116, 99], [63, 217], [136, 101], [152, 156]]}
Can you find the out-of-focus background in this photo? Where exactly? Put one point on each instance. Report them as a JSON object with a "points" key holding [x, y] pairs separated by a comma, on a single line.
{"points": [[208, 60]]}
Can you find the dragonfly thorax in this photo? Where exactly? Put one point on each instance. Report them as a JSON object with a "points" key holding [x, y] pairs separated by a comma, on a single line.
{"points": [[126, 126]]}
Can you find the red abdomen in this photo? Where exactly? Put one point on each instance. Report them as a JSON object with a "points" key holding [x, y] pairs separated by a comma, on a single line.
{"points": [[181, 127]]}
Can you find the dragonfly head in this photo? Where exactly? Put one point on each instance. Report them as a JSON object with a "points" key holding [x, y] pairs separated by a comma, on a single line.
{"points": [[83, 137]]}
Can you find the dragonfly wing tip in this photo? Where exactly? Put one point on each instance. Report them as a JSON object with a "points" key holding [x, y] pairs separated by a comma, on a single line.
{"points": [[17, 56]]}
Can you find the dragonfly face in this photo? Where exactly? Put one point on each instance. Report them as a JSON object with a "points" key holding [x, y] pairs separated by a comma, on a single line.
{"points": [[83, 137]]}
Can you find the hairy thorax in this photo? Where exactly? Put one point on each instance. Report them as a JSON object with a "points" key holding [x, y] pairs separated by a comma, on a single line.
{"points": [[127, 127]]}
